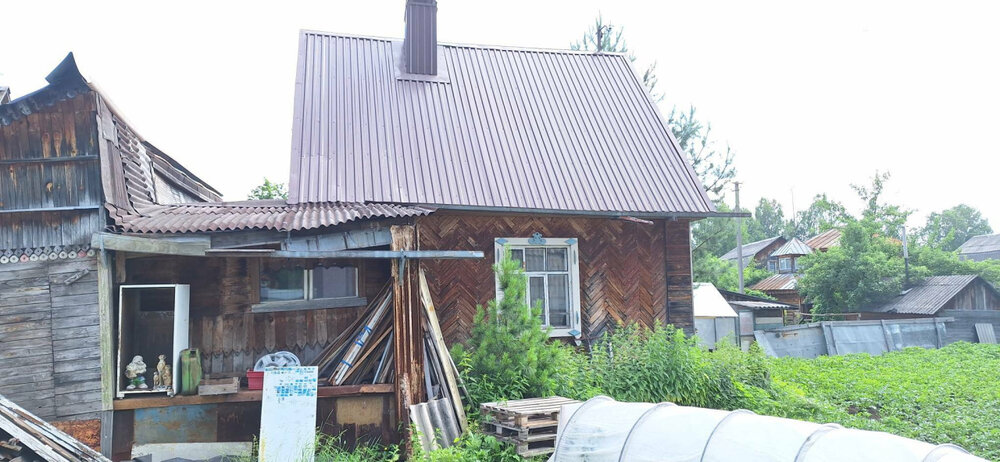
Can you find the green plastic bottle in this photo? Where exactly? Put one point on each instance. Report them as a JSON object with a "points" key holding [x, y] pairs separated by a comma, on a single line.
{"points": [[190, 373]]}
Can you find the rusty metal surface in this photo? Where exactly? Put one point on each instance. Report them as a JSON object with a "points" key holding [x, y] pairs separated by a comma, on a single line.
{"points": [[260, 214], [502, 128], [176, 424], [825, 240], [777, 282], [927, 296]]}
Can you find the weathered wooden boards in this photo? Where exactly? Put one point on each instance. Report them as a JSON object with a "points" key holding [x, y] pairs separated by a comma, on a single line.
{"points": [[49, 323], [44, 439], [530, 424]]}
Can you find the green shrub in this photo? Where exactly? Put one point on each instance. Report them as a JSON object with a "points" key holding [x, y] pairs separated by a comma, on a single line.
{"points": [[471, 447], [508, 355]]}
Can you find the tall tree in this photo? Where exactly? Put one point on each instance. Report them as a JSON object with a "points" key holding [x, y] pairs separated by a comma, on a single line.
{"points": [[949, 229], [863, 271], [890, 217], [713, 164], [269, 190], [821, 215], [769, 217]]}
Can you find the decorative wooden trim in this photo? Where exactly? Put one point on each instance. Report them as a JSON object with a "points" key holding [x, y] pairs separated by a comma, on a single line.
{"points": [[14, 256], [244, 396], [315, 304]]}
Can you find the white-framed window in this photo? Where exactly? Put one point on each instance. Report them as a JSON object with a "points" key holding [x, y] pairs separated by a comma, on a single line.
{"points": [[772, 266], [785, 264], [552, 268], [321, 282]]}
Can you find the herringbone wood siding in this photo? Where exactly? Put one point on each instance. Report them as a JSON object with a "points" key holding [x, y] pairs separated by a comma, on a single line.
{"points": [[625, 274]]}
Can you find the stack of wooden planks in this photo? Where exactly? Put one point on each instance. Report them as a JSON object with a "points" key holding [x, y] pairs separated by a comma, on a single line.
{"points": [[363, 352], [529, 424], [25, 437]]}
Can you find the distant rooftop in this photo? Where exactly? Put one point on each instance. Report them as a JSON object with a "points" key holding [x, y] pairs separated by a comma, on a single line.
{"points": [[751, 249], [979, 248], [927, 296], [823, 241], [793, 247]]}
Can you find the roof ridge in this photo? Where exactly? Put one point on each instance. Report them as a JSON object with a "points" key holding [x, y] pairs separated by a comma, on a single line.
{"points": [[528, 49]]}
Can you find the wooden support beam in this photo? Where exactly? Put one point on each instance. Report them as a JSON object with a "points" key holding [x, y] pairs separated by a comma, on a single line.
{"points": [[373, 254], [316, 304], [105, 312], [244, 396], [109, 241], [409, 336]]}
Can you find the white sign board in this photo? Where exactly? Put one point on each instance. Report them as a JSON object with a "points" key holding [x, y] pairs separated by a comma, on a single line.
{"points": [[288, 415]]}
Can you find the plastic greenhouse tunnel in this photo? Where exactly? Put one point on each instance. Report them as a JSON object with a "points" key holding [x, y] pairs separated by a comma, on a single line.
{"points": [[605, 430]]}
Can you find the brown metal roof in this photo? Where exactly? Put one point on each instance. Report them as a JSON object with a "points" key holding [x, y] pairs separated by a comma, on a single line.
{"points": [[928, 296], [262, 214], [777, 282], [494, 128], [825, 240]]}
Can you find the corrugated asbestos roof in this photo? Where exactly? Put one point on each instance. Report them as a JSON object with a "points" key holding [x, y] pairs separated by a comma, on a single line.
{"points": [[751, 249], [262, 214], [495, 128], [761, 305], [777, 282], [981, 248], [928, 296], [825, 240], [793, 247]]}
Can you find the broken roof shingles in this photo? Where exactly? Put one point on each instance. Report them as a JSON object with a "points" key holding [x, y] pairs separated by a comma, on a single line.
{"points": [[498, 128]]}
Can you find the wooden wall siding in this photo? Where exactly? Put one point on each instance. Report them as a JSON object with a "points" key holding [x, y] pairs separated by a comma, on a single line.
{"points": [[49, 329], [50, 159], [975, 296], [230, 337], [623, 267]]}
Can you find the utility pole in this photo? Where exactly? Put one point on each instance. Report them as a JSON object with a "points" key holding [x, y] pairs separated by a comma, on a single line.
{"points": [[739, 236], [906, 258]]}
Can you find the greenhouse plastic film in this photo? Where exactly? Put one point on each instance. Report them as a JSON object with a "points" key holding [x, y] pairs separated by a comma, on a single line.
{"points": [[603, 429]]}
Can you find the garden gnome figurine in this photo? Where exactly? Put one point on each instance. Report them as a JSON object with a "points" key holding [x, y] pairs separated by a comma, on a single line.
{"points": [[160, 367], [134, 371], [156, 381]]}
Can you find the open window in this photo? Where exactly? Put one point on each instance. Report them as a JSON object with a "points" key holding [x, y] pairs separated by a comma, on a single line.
{"points": [[296, 288], [152, 321], [551, 266]]}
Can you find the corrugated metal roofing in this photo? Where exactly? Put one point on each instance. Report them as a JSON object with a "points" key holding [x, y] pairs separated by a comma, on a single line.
{"points": [[927, 297], [777, 282], [979, 248], [793, 247], [761, 305], [495, 128], [262, 214], [825, 240], [751, 249]]}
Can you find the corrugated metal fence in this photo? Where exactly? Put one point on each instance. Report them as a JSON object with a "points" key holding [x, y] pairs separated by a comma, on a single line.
{"points": [[844, 337]]}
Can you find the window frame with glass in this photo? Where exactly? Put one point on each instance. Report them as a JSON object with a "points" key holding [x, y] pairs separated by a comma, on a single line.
{"points": [[785, 264], [306, 297], [548, 273]]}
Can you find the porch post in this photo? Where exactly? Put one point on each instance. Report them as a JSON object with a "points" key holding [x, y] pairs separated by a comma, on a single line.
{"points": [[408, 338]]}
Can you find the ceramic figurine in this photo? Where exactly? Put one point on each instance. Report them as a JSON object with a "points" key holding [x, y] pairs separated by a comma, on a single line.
{"points": [[160, 366], [157, 384], [167, 379], [134, 373]]}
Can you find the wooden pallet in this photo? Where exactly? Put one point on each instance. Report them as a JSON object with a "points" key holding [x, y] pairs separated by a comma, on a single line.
{"points": [[529, 424]]}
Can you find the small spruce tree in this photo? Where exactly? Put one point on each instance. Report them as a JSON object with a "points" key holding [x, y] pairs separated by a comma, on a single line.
{"points": [[508, 355]]}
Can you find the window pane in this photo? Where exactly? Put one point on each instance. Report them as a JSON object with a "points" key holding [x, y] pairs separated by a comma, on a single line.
{"points": [[518, 256], [534, 259], [282, 284], [559, 300], [536, 293], [335, 281], [555, 259]]}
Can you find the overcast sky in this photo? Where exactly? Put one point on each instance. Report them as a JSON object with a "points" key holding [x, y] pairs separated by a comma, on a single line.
{"points": [[812, 96]]}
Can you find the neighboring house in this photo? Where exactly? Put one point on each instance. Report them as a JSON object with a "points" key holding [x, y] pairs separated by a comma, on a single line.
{"points": [[407, 156], [714, 319], [755, 313], [788, 255], [758, 252], [979, 248], [825, 240], [932, 295], [4, 95]]}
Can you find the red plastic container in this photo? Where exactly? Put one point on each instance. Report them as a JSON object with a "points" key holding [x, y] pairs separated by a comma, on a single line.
{"points": [[255, 380]]}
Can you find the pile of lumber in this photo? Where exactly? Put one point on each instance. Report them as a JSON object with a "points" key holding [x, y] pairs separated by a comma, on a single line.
{"points": [[528, 424], [26, 438], [363, 352]]}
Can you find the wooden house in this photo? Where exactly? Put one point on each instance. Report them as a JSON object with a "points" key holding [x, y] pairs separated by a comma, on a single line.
{"points": [[758, 252], [980, 248], [930, 296], [407, 156]]}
